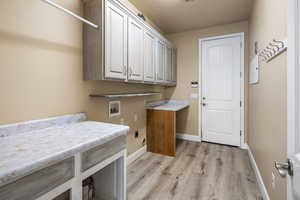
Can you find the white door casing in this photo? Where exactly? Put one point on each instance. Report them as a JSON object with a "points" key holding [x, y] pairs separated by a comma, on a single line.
{"points": [[135, 50], [149, 56], [115, 42], [293, 99], [221, 90]]}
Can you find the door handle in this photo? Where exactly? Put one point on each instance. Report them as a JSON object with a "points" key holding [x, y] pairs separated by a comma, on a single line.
{"points": [[285, 168]]}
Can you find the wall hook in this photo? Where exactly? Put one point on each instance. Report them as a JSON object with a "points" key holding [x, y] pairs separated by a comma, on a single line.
{"points": [[275, 46], [280, 42], [272, 50]]}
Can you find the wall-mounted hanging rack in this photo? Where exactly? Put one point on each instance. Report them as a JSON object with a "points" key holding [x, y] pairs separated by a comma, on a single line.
{"points": [[274, 48], [70, 13]]}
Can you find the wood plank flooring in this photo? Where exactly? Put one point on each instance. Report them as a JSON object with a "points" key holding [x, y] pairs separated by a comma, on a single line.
{"points": [[200, 171]]}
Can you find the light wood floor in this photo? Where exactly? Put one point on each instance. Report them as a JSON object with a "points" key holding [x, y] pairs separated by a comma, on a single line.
{"points": [[200, 171]]}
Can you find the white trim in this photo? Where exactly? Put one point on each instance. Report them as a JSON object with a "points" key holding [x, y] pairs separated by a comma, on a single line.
{"points": [[188, 137], [134, 156], [243, 144], [259, 179], [57, 191], [292, 82]]}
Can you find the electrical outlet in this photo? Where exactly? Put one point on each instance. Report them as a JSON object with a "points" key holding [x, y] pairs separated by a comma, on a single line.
{"points": [[135, 117], [273, 181], [136, 134]]}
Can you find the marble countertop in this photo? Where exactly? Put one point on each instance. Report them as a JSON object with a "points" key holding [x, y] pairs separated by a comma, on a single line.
{"points": [[169, 105], [30, 146]]}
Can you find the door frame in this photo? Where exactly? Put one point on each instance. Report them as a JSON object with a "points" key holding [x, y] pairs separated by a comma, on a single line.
{"points": [[292, 80], [242, 83]]}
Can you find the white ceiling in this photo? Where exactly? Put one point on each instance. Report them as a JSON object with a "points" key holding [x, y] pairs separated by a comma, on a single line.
{"points": [[174, 16]]}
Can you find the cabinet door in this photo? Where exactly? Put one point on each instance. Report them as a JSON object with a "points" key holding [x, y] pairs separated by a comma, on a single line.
{"points": [[115, 42], [168, 65], [160, 64], [174, 65], [149, 57], [135, 50]]}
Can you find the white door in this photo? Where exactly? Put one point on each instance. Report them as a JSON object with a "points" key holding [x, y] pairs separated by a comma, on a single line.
{"points": [[221, 69], [160, 66], [168, 64], [115, 42], [135, 50], [149, 56], [291, 168]]}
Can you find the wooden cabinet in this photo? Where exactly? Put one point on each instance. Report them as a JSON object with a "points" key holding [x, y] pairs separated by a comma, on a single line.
{"points": [[135, 50], [160, 61], [161, 132], [124, 48], [149, 57], [115, 42]]}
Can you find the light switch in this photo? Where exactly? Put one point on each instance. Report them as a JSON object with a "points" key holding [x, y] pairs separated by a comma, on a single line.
{"points": [[194, 96], [135, 117]]}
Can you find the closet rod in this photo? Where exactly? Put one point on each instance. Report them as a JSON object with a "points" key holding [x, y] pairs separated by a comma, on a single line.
{"points": [[70, 13]]}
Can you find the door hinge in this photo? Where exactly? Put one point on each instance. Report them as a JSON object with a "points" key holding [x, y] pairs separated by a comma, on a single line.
{"points": [[240, 132], [241, 104], [241, 44], [241, 74]]}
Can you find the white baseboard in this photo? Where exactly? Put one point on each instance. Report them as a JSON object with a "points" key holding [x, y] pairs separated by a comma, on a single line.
{"points": [[188, 137], [132, 157], [261, 184]]}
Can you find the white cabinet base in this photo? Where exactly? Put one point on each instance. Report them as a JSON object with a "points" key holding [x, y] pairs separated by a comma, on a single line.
{"points": [[114, 174]]}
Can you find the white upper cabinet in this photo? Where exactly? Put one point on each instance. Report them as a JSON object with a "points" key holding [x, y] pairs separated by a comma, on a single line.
{"points": [[160, 60], [168, 64], [115, 42], [135, 50], [174, 65], [149, 56], [125, 47]]}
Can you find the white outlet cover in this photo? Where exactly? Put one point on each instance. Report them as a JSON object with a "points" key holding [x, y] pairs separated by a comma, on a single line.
{"points": [[135, 117]]}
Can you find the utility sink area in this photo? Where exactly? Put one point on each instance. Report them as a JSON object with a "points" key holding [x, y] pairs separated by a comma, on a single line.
{"points": [[161, 125]]}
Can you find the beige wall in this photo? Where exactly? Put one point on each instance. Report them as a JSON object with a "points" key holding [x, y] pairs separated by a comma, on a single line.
{"points": [[41, 69], [188, 68], [267, 100]]}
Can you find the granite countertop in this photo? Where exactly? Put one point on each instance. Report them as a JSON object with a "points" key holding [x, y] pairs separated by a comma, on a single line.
{"points": [[30, 146], [169, 105]]}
